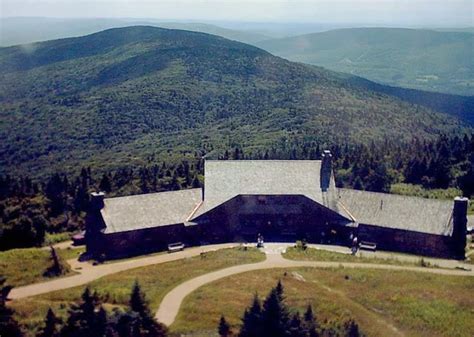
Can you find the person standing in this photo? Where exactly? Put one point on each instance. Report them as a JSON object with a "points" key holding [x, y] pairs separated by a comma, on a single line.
{"points": [[355, 245]]}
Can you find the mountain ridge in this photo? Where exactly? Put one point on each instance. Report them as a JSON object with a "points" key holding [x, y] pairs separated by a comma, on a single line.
{"points": [[166, 92], [413, 58]]}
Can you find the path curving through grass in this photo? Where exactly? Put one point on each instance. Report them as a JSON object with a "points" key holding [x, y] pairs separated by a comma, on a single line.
{"points": [[172, 301]]}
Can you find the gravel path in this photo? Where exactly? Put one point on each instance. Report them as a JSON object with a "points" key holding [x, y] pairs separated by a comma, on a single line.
{"points": [[88, 272], [171, 303]]}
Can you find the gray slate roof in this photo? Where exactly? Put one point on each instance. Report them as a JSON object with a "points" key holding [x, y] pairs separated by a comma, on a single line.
{"points": [[225, 179], [397, 211], [149, 210]]}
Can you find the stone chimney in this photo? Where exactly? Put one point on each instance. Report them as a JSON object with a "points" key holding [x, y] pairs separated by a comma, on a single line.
{"points": [[326, 170], [95, 224], [97, 201], [460, 226]]}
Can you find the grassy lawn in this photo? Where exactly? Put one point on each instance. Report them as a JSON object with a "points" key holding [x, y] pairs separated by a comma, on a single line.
{"points": [[384, 303], [313, 254], [469, 250], [51, 239], [26, 266], [114, 289]]}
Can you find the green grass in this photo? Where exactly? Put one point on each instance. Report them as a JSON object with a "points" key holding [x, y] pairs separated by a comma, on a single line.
{"points": [[71, 253], [382, 302], [51, 238], [155, 280], [26, 266], [419, 191], [313, 254]]}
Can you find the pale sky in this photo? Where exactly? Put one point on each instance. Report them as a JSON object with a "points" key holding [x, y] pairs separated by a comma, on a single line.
{"points": [[398, 12]]}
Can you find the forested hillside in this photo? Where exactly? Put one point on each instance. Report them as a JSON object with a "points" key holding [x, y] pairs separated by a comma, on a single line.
{"points": [[125, 96], [413, 58]]}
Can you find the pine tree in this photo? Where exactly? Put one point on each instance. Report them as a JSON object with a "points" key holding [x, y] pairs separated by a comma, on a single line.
{"points": [[101, 322], [358, 184], [8, 325], [105, 184], [310, 324], [50, 325], [275, 317], [251, 320], [279, 290], [57, 267], [145, 322], [296, 329], [196, 183], [224, 327], [83, 320], [137, 300], [351, 329]]}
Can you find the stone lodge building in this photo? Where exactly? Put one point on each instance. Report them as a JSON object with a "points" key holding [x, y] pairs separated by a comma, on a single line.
{"points": [[283, 200]]}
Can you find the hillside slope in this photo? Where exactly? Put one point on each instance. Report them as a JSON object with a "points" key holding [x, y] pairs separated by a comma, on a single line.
{"points": [[122, 96], [412, 58]]}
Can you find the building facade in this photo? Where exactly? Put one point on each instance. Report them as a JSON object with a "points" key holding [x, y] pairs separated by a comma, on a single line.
{"points": [[282, 200]]}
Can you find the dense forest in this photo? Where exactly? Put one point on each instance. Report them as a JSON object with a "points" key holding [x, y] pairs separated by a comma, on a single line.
{"points": [[30, 208]]}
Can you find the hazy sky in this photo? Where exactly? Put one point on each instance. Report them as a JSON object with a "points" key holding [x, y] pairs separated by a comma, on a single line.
{"points": [[399, 12]]}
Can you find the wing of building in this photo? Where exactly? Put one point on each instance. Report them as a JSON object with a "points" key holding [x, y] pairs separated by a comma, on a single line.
{"points": [[281, 200]]}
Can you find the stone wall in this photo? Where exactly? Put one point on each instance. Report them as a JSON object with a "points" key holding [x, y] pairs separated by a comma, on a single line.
{"points": [[143, 241], [398, 240]]}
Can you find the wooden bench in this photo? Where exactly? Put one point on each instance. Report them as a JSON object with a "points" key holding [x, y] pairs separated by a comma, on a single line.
{"points": [[368, 246], [175, 247]]}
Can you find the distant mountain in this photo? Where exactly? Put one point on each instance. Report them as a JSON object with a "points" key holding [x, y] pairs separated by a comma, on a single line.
{"points": [[22, 30], [457, 29], [412, 58], [122, 96]]}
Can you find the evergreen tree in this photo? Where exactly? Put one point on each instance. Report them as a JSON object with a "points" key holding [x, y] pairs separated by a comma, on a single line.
{"points": [[50, 325], [105, 184], [466, 181], [101, 322], [224, 327], [310, 324], [9, 327], [351, 329], [275, 317], [137, 300], [83, 320], [251, 320], [296, 329], [279, 290], [358, 184], [57, 267], [144, 321], [196, 183]]}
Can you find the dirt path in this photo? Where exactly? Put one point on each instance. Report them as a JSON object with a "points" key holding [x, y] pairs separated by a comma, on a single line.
{"points": [[88, 272], [171, 303]]}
